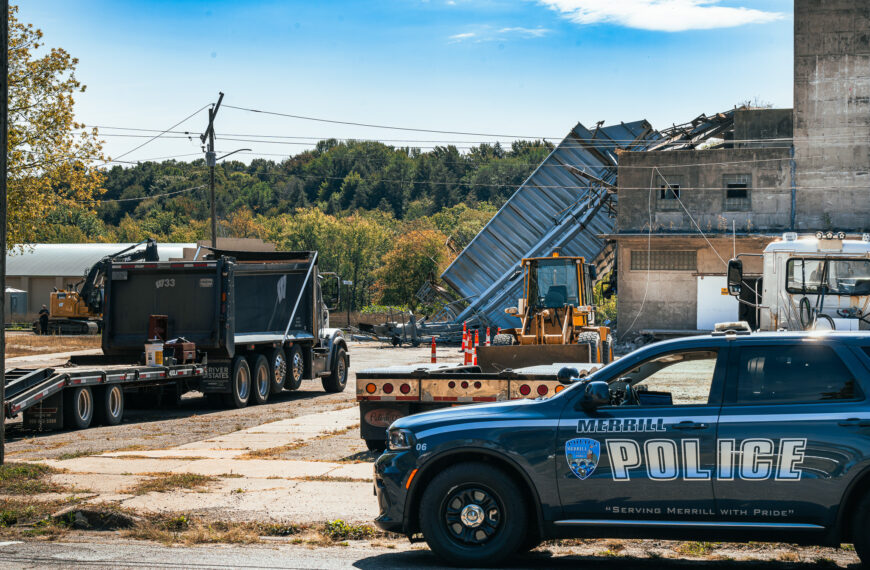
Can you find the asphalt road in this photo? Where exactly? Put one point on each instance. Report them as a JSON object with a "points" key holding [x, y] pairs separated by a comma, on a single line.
{"points": [[126, 554]]}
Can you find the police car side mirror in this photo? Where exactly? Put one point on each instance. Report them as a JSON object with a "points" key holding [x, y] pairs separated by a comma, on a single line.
{"points": [[595, 395]]}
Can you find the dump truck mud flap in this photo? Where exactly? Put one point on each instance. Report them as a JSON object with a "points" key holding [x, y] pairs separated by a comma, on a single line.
{"points": [[216, 379], [498, 358]]}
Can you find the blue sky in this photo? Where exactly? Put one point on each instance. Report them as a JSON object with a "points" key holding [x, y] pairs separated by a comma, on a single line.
{"points": [[521, 67]]}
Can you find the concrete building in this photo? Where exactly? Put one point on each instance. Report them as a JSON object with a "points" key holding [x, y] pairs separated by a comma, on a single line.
{"points": [[804, 169]]}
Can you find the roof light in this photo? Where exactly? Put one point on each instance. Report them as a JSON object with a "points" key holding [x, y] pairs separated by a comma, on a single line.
{"points": [[865, 238], [789, 236]]}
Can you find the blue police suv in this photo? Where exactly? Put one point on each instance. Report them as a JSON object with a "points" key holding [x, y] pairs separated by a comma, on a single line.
{"points": [[722, 437]]}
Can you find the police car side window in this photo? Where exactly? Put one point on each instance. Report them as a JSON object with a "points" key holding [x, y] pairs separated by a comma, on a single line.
{"points": [[793, 374], [674, 379]]}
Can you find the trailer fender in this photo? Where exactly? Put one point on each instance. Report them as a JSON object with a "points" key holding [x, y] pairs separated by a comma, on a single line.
{"points": [[335, 340]]}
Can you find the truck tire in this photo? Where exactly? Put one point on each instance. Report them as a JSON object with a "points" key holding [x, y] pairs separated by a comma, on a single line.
{"points": [[78, 407], [240, 384], [473, 514], [503, 340], [337, 381], [262, 379], [295, 368], [378, 445], [591, 339], [607, 350], [278, 369], [109, 408]]}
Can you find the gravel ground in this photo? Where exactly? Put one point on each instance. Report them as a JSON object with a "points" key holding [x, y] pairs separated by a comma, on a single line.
{"points": [[195, 420]]}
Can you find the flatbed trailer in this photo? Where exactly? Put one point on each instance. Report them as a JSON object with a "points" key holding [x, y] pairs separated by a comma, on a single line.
{"points": [[76, 396], [387, 394]]}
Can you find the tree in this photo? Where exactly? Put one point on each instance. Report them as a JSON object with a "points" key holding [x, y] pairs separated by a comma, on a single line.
{"points": [[48, 163], [416, 256]]}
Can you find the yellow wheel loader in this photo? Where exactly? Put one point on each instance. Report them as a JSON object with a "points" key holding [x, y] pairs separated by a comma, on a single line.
{"points": [[557, 315]]}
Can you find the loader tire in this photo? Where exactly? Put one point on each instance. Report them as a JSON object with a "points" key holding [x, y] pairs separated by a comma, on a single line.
{"points": [[503, 340], [592, 339], [607, 350]]}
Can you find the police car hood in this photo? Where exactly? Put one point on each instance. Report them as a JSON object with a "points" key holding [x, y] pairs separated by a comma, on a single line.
{"points": [[460, 414]]}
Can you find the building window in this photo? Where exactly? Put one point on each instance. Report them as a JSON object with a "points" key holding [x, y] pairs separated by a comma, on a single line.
{"points": [[668, 195], [663, 260], [737, 193]]}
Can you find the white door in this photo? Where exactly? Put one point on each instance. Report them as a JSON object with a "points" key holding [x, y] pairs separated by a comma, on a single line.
{"points": [[715, 305]]}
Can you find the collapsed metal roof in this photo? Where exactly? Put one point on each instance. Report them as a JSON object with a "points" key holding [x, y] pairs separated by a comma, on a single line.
{"points": [[566, 203]]}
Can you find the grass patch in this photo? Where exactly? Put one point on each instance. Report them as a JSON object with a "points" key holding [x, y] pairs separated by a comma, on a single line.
{"points": [[339, 530], [21, 518], [272, 452], [29, 344], [27, 479], [696, 548], [182, 529], [165, 482], [75, 454]]}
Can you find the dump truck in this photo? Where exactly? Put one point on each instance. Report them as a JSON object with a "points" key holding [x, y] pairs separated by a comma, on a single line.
{"points": [[236, 326], [557, 317], [807, 282], [78, 309]]}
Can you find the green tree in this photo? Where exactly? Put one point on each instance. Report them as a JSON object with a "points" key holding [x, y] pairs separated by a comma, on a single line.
{"points": [[48, 162], [416, 257]]}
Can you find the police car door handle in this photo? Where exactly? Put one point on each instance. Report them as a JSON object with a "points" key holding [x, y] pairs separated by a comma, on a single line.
{"points": [[855, 422], [689, 425]]}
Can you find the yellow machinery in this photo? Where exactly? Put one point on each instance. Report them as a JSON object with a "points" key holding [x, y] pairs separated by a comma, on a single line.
{"points": [[557, 314]]}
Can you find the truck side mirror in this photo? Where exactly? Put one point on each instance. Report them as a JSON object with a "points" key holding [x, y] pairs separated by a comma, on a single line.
{"points": [[735, 277], [330, 286], [595, 395]]}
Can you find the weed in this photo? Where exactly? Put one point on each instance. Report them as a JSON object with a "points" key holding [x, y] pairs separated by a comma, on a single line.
{"points": [[696, 548], [278, 529], [237, 491], [165, 482], [339, 530], [788, 556], [848, 547], [74, 454], [26, 479]]}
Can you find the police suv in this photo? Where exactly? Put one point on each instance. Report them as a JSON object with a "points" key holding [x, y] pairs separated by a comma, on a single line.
{"points": [[723, 437]]}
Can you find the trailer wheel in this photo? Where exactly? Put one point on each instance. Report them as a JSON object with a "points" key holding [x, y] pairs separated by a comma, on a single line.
{"points": [[278, 369], [591, 339], [241, 384], [78, 407], [337, 381], [295, 368], [262, 379], [109, 409]]}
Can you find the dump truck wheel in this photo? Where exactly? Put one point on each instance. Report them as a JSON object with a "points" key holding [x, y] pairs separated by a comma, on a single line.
{"points": [[295, 368], [592, 339], [607, 350], [337, 381], [78, 407], [503, 340], [262, 379], [109, 409], [240, 384], [278, 369]]}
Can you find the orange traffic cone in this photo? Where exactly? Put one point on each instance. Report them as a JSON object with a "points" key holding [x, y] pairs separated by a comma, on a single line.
{"points": [[487, 336], [476, 344], [434, 356]]}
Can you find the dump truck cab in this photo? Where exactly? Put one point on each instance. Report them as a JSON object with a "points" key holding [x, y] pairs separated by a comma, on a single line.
{"points": [[556, 308], [809, 282]]}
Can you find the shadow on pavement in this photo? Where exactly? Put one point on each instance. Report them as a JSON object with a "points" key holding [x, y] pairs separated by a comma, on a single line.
{"points": [[536, 560]]}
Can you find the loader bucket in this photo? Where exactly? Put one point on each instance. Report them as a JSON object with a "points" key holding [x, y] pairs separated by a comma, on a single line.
{"points": [[498, 358]]}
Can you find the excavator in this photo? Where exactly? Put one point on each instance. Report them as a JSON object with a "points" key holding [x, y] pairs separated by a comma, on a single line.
{"points": [[557, 317], [79, 309]]}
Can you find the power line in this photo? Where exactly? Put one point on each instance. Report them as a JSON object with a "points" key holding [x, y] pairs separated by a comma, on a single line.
{"points": [[142, 198], [155, 137]]}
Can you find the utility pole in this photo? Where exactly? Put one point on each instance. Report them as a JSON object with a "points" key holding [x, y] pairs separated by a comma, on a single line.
{"points": [[4, 127], [211, 161]]}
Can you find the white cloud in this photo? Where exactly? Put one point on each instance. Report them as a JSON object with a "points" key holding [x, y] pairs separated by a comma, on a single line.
{"points": [[525, 32], [490, 34], [659, 15]]}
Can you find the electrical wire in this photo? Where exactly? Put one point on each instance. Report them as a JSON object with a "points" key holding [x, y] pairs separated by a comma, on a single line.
{"points": [[157, 136], [143, 198]]}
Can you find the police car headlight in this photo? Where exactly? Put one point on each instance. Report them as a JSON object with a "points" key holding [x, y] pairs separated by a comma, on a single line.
{"points": [[400, 439]]}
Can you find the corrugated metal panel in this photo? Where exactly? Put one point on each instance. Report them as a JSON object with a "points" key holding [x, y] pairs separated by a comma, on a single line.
{"points": [[70, 259], [556, 207]]}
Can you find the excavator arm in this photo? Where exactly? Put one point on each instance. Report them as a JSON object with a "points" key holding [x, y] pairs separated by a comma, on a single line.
{"points": [[91, 290]]}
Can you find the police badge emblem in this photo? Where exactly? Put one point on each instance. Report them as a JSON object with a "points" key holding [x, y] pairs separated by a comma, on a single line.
{"points": [[582, 455]]}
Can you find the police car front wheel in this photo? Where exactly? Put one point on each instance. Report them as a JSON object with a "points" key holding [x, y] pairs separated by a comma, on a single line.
{"points": [[473, 514]]}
